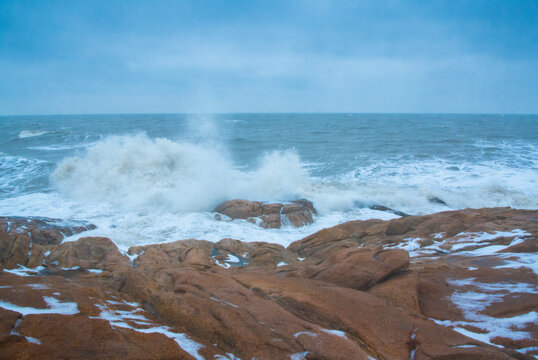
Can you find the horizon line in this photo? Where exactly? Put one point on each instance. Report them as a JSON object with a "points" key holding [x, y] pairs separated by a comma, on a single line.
{"points": [[269, 113]]}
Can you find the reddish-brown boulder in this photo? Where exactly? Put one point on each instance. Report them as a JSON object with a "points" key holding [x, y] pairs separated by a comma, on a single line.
{"points": [[22, 239], [296, 213]]}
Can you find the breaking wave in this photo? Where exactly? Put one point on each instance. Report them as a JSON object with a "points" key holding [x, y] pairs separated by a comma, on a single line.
{"points": [[144, 174], [137, 172]]}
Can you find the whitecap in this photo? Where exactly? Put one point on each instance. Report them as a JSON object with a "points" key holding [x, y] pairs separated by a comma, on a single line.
{"points": [[31, 133], [136, 172]]}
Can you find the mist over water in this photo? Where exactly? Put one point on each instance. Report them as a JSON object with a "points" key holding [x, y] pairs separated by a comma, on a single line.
{"points": [[154, 178]]}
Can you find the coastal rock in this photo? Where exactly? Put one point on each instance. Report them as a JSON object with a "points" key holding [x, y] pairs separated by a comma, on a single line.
{"points": [[429, 229], [22, 240], [272, 216], [359, 268], [55, 316], [43, 231], [86, 253], [453, 285]]}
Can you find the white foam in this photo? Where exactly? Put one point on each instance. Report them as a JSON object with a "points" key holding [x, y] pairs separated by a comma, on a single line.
{"points": [[119, 318], [494, 327], [31, 133], [467, 239], [472, 303], [18, 174], [131, 303], [228, 356], [462, 241], [59, 147], [55, 307], [224, 265], [73, 268], [24, 271], [38, 286], [33, 340], [335, 332], [309, 333], [519, 260], [140, 190], [410, 244], [407, 185], [133, 227], [529, 349], [282, 263], [123, 250], [496, 287], [233, 259], [94, 271], [464, 346], [299, 355]]}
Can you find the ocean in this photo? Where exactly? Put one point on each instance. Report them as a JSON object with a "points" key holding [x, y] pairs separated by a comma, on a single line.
{"points": [[156, 178]]}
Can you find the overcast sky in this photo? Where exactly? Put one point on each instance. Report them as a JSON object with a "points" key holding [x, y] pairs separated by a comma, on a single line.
{"points": [[268, 56]]}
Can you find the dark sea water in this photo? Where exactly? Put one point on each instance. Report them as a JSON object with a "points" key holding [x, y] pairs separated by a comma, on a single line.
{"points": [[153, 178]]}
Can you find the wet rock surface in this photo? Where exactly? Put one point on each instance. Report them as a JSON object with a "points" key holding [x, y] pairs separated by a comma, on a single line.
{"points": [[453, 285], [296, 213]]}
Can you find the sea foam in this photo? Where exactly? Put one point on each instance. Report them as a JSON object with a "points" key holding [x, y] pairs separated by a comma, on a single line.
{"points": [[140, 189], [137, 172], [31, 133]]}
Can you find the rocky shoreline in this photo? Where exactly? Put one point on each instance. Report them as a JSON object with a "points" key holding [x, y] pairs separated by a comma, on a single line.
{"points": [[452, 285]]}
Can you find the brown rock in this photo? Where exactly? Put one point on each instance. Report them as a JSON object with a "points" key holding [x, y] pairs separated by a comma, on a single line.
{"points": [[79, 337], [87, 253], [400, 290], [7, 322], [43, 231], [268, 254], [359, 268], [355, 295], [297, 213], [22, 239], [398, 227]]}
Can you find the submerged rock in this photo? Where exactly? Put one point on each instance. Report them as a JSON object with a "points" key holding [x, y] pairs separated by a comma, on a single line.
{"points": [[436, 200], [452, 285], [272, 216], [387, 209]]}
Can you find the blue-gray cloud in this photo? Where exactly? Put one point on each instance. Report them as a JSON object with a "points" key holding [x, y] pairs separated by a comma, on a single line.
{"points": [[269, 56]]}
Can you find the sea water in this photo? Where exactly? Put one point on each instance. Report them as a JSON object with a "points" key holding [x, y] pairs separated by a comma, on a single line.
{"points": [[156, 178]]}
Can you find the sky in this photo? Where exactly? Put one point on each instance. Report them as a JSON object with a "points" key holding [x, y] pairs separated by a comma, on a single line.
{"points": [[386, 56]]}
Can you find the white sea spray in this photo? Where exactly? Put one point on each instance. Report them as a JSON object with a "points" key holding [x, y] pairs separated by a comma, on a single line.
{"points": [[135, 172]]}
